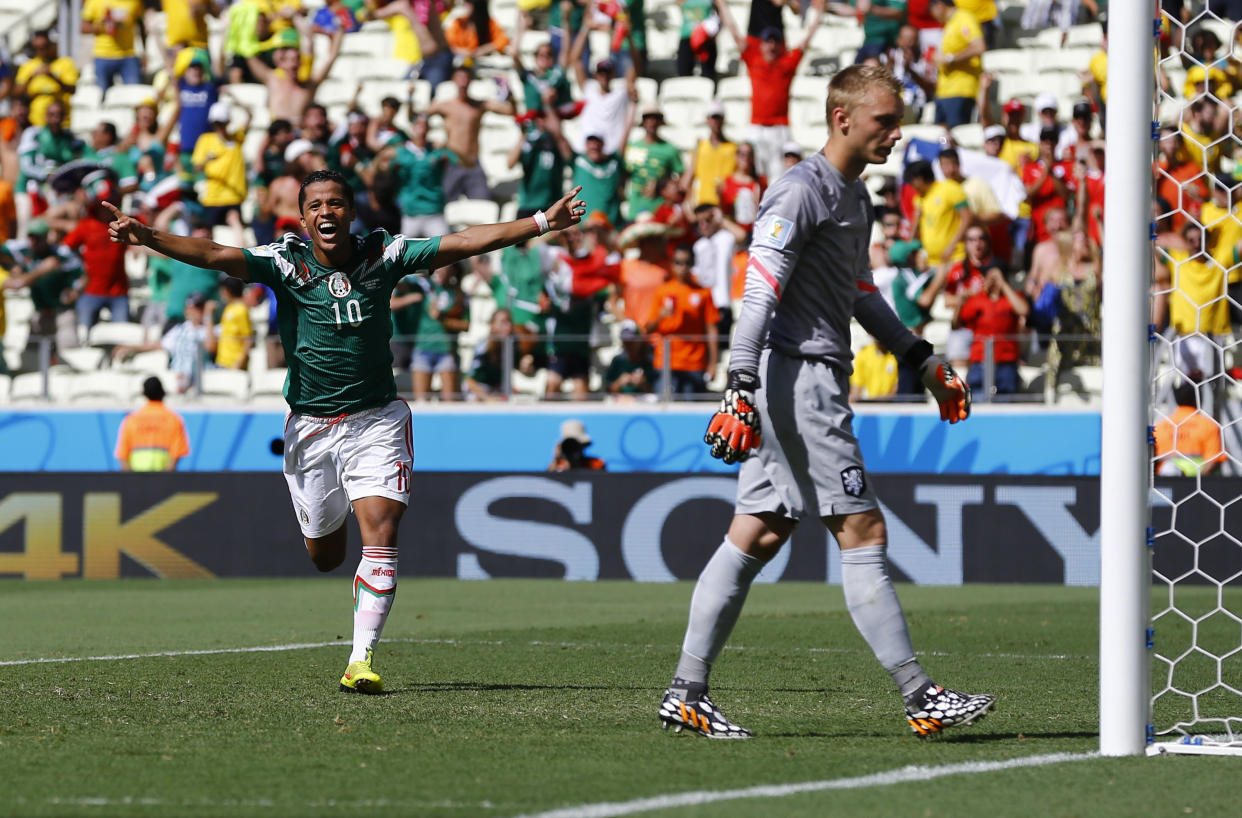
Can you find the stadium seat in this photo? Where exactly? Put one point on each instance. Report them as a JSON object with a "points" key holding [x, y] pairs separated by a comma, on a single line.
{"points": [[127, 96], [268, 383], [1008, 60], [83, 359], [154, 360], [227, 383], [969, 135], [469, 212], [116, 333], [114, 387], [28, 386]]}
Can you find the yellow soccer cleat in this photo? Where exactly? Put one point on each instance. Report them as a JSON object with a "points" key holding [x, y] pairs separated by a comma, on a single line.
{"points": [[360, 678]]}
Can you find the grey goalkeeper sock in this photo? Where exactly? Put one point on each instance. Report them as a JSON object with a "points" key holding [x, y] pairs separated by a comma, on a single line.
{"points": [[717, 602], [876, 611]]}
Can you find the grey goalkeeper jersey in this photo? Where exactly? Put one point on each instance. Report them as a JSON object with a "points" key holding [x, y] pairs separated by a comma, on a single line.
{"points": [[809, 272]]}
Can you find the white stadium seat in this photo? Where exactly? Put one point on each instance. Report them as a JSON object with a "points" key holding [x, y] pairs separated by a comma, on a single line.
{"points": [[468, 212]]}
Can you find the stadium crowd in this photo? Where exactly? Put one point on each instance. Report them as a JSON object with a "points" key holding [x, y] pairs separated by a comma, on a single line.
{"points": [[203, 117]]}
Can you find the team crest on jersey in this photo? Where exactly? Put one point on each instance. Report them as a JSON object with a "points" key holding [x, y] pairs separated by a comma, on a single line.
{"points": [[338, 284], [777, 232], [853, 482]]}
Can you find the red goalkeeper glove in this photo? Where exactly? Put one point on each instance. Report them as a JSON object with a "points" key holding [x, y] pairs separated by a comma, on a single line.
{"points": [[733, 432], [948, 388]]}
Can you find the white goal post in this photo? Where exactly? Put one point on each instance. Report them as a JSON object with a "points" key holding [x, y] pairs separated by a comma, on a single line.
{"points": [[1170, 681], [1125, 565]]}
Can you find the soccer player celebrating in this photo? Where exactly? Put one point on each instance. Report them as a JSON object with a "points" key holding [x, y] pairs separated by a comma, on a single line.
{"points": [[348, 439], [808, 273]]}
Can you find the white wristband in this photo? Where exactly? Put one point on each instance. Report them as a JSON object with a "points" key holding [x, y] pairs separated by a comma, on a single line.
{"points": [[541, 219]]}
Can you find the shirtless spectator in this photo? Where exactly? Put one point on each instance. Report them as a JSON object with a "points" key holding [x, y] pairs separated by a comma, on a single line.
{"points": [[287, 96], [1046, 257], [301, 157], [462, 119]]}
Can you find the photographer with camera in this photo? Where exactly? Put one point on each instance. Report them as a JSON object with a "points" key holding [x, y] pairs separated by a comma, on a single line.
{"points": [[570, 452]]}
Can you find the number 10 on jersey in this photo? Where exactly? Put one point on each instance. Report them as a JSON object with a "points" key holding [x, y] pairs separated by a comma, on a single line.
{"points": [[353, 312]]}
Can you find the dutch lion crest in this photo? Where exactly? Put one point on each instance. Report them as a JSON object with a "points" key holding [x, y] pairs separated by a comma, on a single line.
{"points": [[853, 482]]}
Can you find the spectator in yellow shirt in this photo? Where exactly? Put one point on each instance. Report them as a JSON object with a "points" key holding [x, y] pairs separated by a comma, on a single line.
{"points": [[875, 373], [234, 335], [958, 64], [218, 156], [114, 22], [185, 25], [987, 14], [942, 213], [45, 77]]}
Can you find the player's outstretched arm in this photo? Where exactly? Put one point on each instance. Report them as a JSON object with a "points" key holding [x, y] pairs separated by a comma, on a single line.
{"points": [[485, 238], [203, 253]]}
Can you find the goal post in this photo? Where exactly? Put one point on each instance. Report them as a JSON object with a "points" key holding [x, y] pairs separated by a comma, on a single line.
{"points": [[1125, 469]]}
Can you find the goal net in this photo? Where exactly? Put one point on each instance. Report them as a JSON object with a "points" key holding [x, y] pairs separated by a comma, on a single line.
{"points": [[1196, 436]]}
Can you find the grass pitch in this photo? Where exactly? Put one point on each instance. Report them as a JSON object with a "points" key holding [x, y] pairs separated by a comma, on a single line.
{"points": [[517, 697]]}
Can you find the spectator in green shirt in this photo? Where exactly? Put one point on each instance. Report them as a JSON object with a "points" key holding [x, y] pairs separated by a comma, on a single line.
{"points": [[446, 314], [542, 156], [600, 176], [105, 148], [631, 371], [417, 168], [486, 379], [647, 161], [881, 20], [406, 304]]}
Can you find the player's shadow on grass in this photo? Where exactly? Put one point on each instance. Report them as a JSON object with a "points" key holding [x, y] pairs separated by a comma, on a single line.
{"points": [[482, 687], [957, 736]]}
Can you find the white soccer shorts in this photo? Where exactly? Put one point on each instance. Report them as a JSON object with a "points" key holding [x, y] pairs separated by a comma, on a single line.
{"points": [[330, 462]]}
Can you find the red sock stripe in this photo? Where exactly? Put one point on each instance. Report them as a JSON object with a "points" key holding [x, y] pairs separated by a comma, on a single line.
{"points": [[360, 581], [378, 553]]}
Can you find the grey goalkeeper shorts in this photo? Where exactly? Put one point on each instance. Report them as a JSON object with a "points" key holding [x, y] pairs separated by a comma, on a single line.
{"points": [[809, 462]]}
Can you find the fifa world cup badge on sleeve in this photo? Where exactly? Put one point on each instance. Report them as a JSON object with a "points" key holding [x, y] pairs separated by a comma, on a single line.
{"points": [[775, 232]]}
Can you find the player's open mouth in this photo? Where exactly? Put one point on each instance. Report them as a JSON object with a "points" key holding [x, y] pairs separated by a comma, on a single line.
{"points": [[327, 229]]}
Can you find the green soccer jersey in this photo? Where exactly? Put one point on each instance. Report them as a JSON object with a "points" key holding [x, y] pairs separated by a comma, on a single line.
{"points": [[419, 175], [335, 323], [647, 163], [601, 184]]}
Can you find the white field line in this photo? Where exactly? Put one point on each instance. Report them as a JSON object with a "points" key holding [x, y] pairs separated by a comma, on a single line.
{"points": [[116, 657], [903, 775]]}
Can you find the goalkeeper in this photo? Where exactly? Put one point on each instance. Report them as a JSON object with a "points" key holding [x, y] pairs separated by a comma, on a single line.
{"points": [[786, 416]]}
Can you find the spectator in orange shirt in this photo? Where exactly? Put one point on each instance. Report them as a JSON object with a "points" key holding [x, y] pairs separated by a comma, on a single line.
{"points": [[152, 438], [1188, 442], [684, 311], [462, 32], [642, 276]]}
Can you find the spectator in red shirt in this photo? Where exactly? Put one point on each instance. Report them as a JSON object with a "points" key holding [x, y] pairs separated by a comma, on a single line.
{"points": [[994, 315], [771, 68], [963, 280], [1089, 172], [103, 263], [740, 193], [1048, 183]]}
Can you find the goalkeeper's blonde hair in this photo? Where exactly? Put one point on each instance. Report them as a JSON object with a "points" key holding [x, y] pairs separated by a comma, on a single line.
{"points": [[851, 86]]}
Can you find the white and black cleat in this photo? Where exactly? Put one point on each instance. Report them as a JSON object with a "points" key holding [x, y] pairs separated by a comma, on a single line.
{"points": [[934, 708], [698, 715]]}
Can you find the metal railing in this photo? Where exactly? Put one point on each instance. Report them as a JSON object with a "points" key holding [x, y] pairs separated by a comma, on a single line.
{"points": [[1049, 384]]}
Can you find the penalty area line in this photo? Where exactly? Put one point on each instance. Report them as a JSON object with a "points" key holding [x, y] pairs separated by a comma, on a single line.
{"points": [[901, 775]]}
